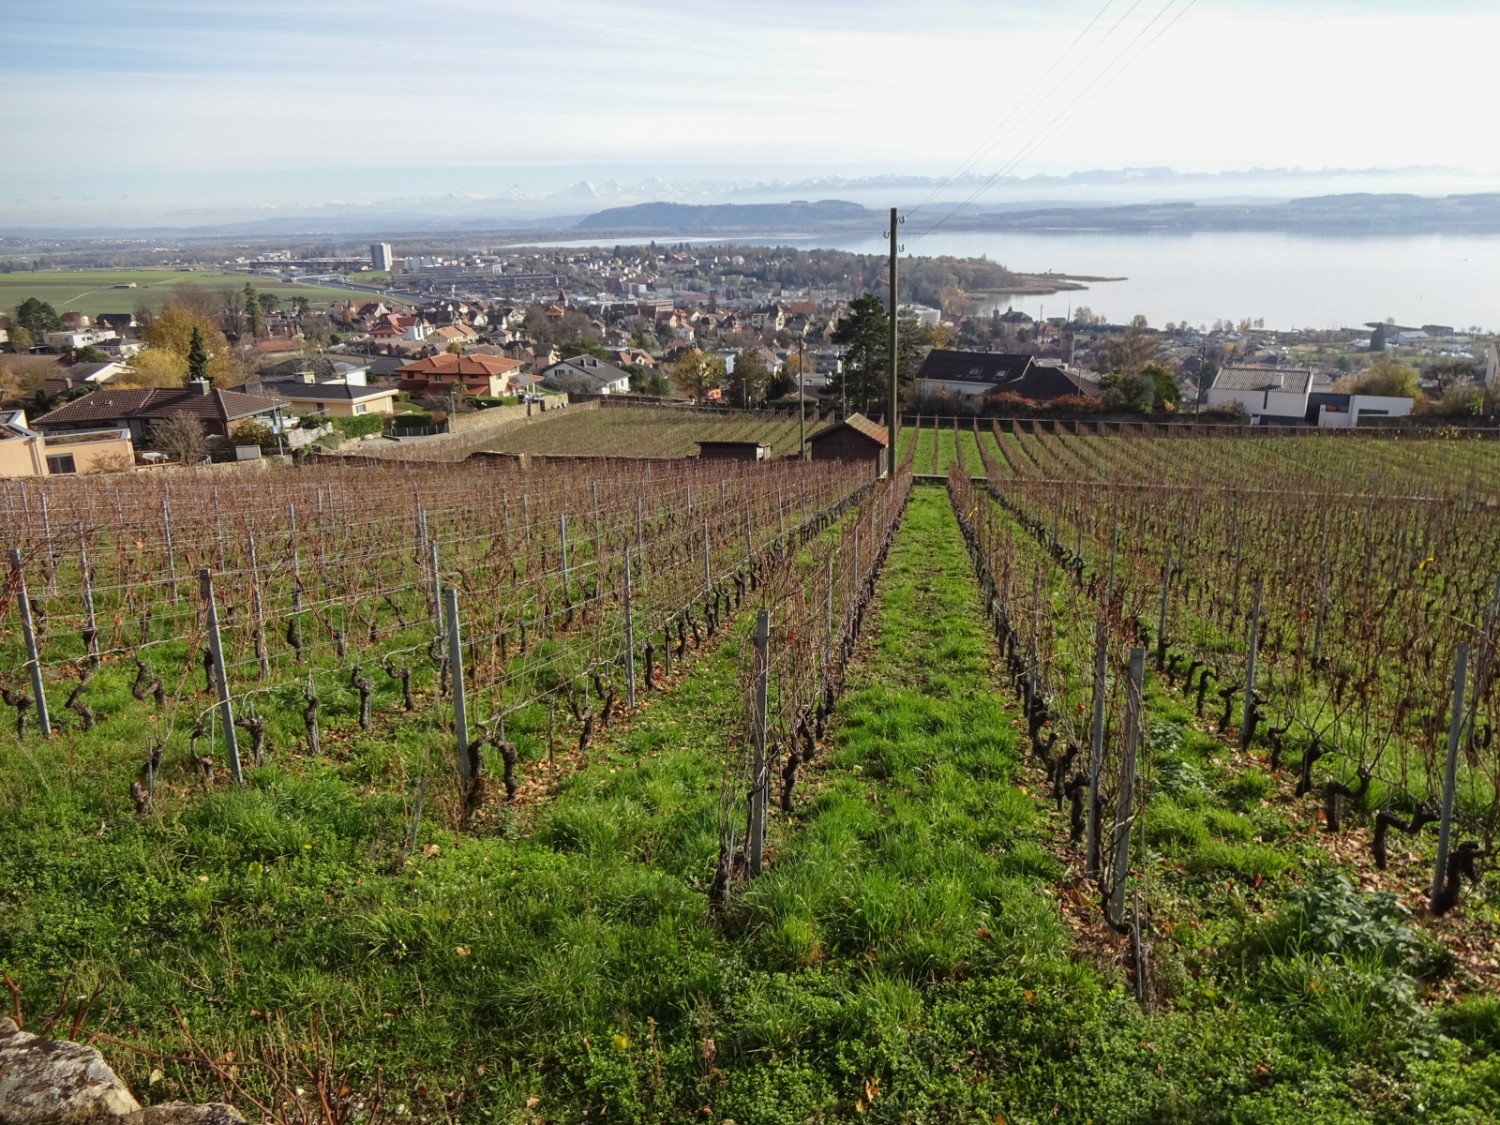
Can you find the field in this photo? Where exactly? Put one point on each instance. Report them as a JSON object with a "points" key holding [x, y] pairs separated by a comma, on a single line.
{"points": [[782, 797], [651, 432], [93, 291]]}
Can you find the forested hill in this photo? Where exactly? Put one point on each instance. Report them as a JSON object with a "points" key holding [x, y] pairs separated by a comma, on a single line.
{"points": [[681, 218]]}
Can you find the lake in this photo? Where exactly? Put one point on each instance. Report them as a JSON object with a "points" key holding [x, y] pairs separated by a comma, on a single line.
{"points": [[1290, 281]]}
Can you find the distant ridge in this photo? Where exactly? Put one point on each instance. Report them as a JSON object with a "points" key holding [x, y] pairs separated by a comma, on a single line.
{"points": [[719, 218]]}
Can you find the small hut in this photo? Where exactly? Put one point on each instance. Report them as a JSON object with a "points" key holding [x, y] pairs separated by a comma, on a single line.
{"points": [[856, 438]]}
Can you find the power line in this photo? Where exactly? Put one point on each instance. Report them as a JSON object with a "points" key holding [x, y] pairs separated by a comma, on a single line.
{"points": [[989, 141], [1071, 109]]}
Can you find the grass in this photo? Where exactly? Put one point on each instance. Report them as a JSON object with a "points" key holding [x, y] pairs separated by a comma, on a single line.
{"points": [[93, 291], [908, 956], [636, 432]]}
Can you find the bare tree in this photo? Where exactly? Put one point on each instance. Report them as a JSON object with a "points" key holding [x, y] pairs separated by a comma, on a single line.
{"points": [[180, 436]]}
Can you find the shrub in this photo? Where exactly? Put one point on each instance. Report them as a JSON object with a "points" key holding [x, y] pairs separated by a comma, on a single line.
{"points": [[1334, 918], [359, 426], [250, 432]]}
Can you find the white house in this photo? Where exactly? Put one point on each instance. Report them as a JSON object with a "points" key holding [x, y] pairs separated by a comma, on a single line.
{"points": [[583, 374], [1345, 415], [78, 338], [1274, 394]]}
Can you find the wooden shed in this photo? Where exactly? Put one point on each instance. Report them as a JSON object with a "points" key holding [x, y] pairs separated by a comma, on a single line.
{"points": [[856, 438], [734, 451]]}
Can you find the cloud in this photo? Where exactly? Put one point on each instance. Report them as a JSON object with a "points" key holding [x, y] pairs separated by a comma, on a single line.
{"points": [[193, 96]]}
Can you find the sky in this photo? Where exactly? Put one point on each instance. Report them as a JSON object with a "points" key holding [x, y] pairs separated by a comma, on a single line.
{"points": [[151, 109]]}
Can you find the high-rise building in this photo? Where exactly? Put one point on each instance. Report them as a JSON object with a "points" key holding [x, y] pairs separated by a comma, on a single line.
{"points": [[380, 255]]}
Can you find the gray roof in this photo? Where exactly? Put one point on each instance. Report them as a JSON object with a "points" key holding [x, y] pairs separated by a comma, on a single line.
{"points": [[1292, 380], [582, 374], [295, 390]]}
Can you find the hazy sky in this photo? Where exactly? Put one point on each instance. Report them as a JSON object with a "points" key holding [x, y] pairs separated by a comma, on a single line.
{"points": [[114, 106]]}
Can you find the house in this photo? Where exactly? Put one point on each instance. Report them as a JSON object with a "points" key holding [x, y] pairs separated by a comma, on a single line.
{"points": [[1329, 410], [974, 374], [25, 452], [456, 333], [82, 375], [639, 357], [586, 375], [487, 375], [1268, 394], [331, 398], [116, 322], [856, 439], [771, 317], [70, 339], [217, 410]]}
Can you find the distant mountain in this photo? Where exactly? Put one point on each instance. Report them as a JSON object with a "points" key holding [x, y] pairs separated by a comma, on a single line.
{"points": [[1353, 213], [725, 218], [554, 201]]}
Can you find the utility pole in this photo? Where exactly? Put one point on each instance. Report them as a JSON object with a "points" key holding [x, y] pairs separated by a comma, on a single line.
{"points": [[893, 423], [801, 405]]}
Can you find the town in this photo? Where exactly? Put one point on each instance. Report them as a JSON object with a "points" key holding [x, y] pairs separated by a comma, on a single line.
{"points": [[399, 348]]}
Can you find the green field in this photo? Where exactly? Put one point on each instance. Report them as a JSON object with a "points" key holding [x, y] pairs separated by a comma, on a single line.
{"points": [[93, 291], [649, 432]]}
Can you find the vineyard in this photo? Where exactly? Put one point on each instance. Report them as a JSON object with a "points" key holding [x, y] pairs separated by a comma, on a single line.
{"points": [[1126, 779], [652, 432]]}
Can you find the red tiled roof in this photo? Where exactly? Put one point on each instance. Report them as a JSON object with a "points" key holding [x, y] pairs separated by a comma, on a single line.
{"points": [[449, 365]]}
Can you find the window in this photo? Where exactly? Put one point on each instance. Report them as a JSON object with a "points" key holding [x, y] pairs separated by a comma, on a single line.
{"points": [[360, 408], [61, 463]]}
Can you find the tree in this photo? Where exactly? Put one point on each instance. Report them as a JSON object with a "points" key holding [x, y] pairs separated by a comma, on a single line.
{"points": [[577, 345], [37, 317], [1127, 393], [697, 374], [155, 367], [255, 316], [1390, 377], [1152, 389], [1165, 395], [21, 338], [644, 382], [1462, 400], [269, 303], [172, 329], [1447, 374], [300, 307], [1132, 352], [180, 436], [22, 376], [197, 356], [749, 380], [865, 334]]}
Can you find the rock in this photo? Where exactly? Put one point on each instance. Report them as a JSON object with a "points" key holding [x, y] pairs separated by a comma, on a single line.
{"points": [[184, 1113], [54, 1082]]}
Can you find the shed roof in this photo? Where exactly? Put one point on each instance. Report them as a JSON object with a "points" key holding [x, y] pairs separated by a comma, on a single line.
{"points": [[860, 424]]}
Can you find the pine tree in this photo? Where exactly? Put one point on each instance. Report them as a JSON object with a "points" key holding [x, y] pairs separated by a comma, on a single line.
{"points": [[197, 357], [255, 316]]}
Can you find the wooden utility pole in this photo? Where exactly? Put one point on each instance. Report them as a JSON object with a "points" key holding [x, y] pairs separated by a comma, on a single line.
{"points": [[801, 404], [892, 424]]}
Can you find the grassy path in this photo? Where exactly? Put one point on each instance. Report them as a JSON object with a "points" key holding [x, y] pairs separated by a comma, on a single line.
{"points": [[903, 959]]}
